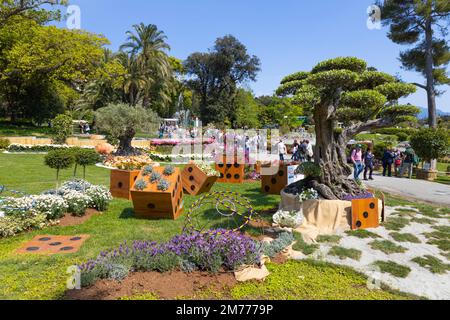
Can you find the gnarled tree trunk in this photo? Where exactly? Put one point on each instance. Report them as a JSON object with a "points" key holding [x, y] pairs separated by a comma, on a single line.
{"points": [[330, 154], [125, 147]]}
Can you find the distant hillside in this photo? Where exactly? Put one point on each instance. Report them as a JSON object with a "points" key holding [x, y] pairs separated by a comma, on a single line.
{"points": [[424, 113]]}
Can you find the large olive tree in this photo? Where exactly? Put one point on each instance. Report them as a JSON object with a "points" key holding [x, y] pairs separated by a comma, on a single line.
{"points": [[345, 91], [121, 122]]}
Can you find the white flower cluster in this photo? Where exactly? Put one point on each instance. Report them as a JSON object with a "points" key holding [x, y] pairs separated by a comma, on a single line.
{"points": [[78, 202], [288, 219], [52, 206], [74, 197], [309, 194], [100, 197]]}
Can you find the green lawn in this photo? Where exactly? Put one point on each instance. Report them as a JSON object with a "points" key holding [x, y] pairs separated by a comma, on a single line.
{"points": [[43, 277]]}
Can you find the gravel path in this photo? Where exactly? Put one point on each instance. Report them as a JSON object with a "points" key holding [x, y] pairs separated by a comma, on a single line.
{"points": [[420, 281]]}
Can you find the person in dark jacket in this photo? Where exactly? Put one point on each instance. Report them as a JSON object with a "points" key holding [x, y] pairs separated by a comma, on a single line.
{"points": [[388, 161], [369, 159]]}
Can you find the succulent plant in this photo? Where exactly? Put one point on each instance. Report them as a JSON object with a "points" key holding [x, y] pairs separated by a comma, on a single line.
{"points": [[140, 185], [155, 177], [148, 170], [163, 185], [169, 170]]}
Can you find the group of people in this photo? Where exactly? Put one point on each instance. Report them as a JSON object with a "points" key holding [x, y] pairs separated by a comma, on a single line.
{"points": [[402, 162], [84, 127], [301, 152], [365, 162]]}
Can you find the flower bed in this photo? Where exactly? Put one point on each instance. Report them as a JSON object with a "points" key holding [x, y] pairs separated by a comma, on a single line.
{"points": [[39, 211], [176, 142], [45, 148], [211, 252]]}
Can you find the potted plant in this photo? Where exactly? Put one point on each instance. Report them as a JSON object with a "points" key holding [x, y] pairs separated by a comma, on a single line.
{"points": [[158, 193], [124, 173], [430, 144], [198, 177]]}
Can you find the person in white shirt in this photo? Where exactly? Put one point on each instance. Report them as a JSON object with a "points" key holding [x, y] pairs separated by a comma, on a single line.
{"points": [[282, 150]]}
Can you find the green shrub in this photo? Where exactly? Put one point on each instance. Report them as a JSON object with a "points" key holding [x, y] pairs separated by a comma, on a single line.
{"points": [[283, 241], [155, 177], [431, 143], [59, 160], [163, 185], [169, 170], [309, 169], [140, 185], [62, 128], [4, 143], [10, 226]]}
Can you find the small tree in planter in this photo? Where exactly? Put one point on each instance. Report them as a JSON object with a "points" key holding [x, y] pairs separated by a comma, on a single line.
{"points": [[59, 160], [62, 128], [84, 158], [344, 90], [121, 122], [431, 143]]}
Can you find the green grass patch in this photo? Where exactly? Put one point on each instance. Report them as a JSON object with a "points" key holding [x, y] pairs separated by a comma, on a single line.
{"points": [[387, 247], [393, 268], [424, 221], [396, 223], [405, 237], [433, 264], [344, 253], [440, 237], [405, 213], [302, 246], [362, 234], [311, 280], [329, 239]]}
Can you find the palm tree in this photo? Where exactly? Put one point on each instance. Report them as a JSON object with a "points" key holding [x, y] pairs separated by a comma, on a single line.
{"points": [[135, 81], [148, 45]]}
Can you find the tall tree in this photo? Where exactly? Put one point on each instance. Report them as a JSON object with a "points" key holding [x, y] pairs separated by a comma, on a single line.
{"points": [[29, 9], [147, 45], [424, 24], [344, 90], [215, 76]]}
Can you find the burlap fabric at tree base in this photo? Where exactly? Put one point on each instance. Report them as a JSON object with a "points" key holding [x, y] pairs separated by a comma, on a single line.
{"points": [[326, 217]]}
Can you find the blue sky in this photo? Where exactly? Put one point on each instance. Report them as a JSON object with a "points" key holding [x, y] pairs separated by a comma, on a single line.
{"points": [[287, 35]]}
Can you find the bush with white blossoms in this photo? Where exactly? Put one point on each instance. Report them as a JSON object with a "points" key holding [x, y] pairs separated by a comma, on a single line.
{"points": [[77, 202], [288, 219], [309, 194], [52, 206], [100, 197]]}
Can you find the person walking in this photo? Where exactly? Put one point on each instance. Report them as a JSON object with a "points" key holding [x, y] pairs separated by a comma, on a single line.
{"points": [[309, 151], [408, 162], [302, 151], [388, 160], [397, 162], [295, 150], [369, 159], [282, 150], [357, 158]]}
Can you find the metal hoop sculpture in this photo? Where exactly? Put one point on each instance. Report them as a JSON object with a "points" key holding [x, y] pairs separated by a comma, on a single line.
{"points": [[231, 201]]}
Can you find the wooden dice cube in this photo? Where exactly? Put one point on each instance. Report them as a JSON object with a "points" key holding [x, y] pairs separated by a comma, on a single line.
{"points": [[195, 181], [274, 180], [121, 182], [152, 203], [365, 214], [231, 173]]}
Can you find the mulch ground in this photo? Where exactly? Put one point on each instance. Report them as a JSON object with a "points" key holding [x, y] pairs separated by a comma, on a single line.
{"points": [[166, 286], [70, 220]]}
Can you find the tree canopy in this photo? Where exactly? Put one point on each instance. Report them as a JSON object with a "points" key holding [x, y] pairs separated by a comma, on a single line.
{"points": [[346, 98], [424, 26], [216, 75]]}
